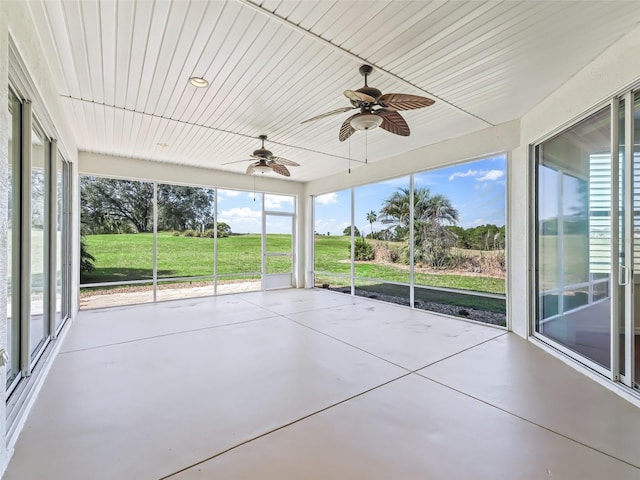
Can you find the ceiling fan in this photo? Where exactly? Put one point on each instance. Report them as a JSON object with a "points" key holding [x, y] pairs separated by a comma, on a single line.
{"points": [[376, 109], [267, 161]]}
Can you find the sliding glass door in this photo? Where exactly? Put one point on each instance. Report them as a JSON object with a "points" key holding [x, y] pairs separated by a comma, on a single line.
{"points": [[588, 232], [38, 250], [575, 233]]}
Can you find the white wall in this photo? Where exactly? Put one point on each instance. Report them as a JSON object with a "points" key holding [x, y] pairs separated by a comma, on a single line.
{"points": [[137, 169], [610, 73]]}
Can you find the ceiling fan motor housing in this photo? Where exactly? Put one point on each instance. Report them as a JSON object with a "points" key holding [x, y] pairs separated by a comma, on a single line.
{"points": [[263, 153]]}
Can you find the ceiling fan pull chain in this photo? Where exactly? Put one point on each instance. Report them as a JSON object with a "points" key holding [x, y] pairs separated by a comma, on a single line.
{"points": [[366, 146], [349, 155]]}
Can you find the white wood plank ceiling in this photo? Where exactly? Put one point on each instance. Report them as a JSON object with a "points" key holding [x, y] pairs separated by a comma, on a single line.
{"points": [[122, 69]]}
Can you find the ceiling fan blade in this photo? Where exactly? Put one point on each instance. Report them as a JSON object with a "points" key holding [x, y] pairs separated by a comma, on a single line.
{"points": [[355, 96], [236, 161], [328, 114], [393, 122], [403, 101], [281, 169], [252, 168], [284, 161], [346, 130]]}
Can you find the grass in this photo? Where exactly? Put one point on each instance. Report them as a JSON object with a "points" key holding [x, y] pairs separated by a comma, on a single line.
{"points": [[332, 255], [130, 257]]}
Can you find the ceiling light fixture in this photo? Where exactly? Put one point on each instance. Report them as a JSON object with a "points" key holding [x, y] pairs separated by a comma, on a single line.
{"points": [[261, 168], [366, 121], [199, 82]]}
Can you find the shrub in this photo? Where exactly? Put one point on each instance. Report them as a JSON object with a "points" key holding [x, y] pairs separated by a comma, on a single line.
{"points": [[362, 249], [190, 233], [176, 233], [385, 253], [208, 233]]}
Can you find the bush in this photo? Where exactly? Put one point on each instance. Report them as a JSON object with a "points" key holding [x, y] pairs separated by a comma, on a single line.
{"points": [[208, 233], [176, 233], [190, 233], [385, 253], [363, 250]]}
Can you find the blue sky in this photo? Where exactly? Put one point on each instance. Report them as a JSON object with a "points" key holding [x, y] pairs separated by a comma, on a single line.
{"points": [[476, 189], [243, 213]]}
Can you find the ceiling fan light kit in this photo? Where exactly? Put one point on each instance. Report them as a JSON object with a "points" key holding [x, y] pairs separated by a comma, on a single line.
{"points": [[267, 162], [366, 121], [260, 168]]}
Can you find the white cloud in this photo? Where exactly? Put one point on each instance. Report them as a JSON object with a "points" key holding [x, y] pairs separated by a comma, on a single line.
{"points": [[242, 219], [483, 175], [327, 198], [240, 212], [468, 173], [491, 175], [275, 201], [229, 193]]}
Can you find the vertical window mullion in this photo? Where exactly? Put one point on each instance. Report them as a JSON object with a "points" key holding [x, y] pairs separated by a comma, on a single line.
{"points": [[50, 235], [24, 252]]}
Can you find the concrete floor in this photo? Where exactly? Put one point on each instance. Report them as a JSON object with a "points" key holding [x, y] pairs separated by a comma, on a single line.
{"points": [[310, 384]]}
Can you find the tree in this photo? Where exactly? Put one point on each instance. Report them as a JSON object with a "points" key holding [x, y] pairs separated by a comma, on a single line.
{"points": [[116, 206], [126, 206], [432, 215], [371, 218], [185, 208], [347, 231], [224, 230]]}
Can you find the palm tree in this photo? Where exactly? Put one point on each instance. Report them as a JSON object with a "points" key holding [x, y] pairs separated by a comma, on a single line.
{"points": [[372, 216], [432, 213]]}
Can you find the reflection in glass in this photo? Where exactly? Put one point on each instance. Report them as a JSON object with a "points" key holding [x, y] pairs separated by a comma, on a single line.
{"points": [[574, 238], [39, 327], [60, 238]]}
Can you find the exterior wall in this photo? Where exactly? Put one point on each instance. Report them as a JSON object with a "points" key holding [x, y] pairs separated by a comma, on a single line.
{"points": [[610, 73]]}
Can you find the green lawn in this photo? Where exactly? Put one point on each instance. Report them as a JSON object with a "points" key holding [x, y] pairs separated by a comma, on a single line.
{"points": [[332, 255], [130, 257]]}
